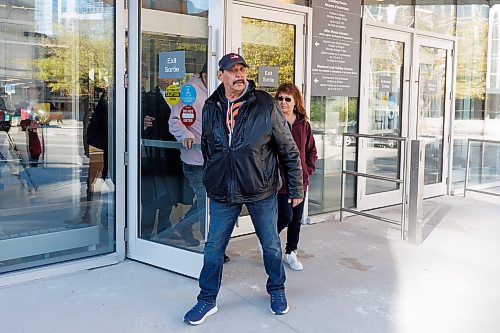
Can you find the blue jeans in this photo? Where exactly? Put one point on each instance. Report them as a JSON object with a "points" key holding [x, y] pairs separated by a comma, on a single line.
{"points": [[194, 174], [223, 216]]}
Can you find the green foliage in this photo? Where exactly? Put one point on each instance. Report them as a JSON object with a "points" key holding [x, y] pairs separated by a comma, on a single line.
{"points": [[318, 109], [72, 62], [472, 49], [267, 43]]}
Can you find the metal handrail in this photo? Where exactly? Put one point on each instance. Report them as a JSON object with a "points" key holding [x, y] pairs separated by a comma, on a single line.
{"points": [[401, 180], [168, 144], [466, 188]]}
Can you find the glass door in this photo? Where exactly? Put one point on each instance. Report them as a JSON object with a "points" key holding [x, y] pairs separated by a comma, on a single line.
{"points": [[272, 42], [406, 92], [167, 213], [385, 77], [432, 111]]}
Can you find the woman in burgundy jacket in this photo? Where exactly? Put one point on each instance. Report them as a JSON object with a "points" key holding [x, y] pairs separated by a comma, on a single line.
{"points": [[292, 103]]}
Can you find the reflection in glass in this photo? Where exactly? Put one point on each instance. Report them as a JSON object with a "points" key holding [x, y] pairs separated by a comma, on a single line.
{"points": [[57, 172], [266, 43], [436, 18], [471, 82], [330, 118], [384, 112], [431, 110], [484, 167], [195, 8], [173, 199], [393, 14]]}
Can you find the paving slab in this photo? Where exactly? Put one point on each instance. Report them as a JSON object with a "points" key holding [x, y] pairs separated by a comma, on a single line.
{"points": [[358, 277]]}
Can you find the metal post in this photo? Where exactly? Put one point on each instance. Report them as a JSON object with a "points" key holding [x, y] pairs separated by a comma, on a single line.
{"points": [[467, 167], [342, 180], [415, 209], [404, 177]]}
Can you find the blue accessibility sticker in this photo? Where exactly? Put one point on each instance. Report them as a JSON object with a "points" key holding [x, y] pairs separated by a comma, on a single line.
{"points": [[188, 94]]}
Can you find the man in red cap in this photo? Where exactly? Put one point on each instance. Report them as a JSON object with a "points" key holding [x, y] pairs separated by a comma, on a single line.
{"points": [[244, 133]]}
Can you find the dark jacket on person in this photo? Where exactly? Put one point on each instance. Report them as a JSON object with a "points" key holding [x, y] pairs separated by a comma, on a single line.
{"points": [[97, 130], [247, 169], [155, 160], [303, 137]]}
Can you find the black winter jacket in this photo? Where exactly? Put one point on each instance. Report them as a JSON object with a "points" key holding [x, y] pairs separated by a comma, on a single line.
{"points": [[247, 171]]}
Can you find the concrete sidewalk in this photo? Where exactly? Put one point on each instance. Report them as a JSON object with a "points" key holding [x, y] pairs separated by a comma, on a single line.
{"points": [[358, 277]]}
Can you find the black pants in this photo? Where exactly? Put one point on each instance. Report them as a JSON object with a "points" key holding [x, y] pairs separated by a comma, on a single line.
{"points": [[158, 195], [290, 217]]}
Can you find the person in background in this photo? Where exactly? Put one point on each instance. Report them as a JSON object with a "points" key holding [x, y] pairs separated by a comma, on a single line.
{"points": [[244, 133], [292, 104], [36, 112], [3, 107], [161, 168], [187, 129]]}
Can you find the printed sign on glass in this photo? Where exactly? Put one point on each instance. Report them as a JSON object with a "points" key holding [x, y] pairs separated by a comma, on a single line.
{"points": [[432, 87], [384, 83], [188, 115], [172, 65], [268, 76], [172, 94], [188, 94]]}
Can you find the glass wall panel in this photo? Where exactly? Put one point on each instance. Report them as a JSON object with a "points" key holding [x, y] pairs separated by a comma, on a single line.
{"points": [[470, 95], [330, 118], [436, 18], [492, 116], [392, 14], [173, 92], [267, 43], [57, 98], [431, 110], [384, 113], [484, 167]]}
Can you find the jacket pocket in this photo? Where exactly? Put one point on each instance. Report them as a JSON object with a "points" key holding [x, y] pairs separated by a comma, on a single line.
{"points": [[251, 176], [216, 174]]}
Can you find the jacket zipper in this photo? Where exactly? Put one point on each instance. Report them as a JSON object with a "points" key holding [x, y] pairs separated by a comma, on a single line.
{"points": [[230, 188]]}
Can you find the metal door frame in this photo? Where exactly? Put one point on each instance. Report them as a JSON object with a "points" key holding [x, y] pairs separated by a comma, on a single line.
{"points": [[412, 39]]}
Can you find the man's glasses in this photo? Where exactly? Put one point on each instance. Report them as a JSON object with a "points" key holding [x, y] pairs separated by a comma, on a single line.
{"points": [[281, 98]]}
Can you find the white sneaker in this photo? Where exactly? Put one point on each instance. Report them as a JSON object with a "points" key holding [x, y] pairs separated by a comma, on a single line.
{"points": [[292, 260]]}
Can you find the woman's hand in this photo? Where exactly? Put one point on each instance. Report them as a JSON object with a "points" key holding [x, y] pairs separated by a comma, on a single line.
{"points": [[295, 202]]}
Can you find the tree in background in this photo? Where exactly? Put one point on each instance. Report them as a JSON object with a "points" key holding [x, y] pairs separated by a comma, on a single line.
{"points": [[76, 62]]}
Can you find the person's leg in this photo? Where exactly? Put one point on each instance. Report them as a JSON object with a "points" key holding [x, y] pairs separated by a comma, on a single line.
{"points": [[148, 211], [156, 203], [264, 214], [293, 232], [223, 217], [284, 212], [196, 182], [194, 174]]}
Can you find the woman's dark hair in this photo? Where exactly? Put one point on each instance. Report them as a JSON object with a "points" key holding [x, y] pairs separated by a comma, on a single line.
{"points": [[291, 89], [204, 69]]}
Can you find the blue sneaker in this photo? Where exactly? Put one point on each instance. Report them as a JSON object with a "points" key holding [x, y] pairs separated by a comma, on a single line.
{"points": [[279, 306], [199, 312]]}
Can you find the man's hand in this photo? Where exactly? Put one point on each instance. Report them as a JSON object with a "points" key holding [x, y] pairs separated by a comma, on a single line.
{"points": [[188, 143], [148, 121], [295, 201]]}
